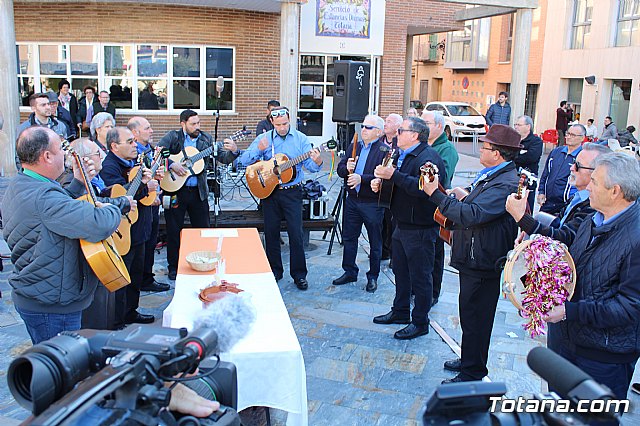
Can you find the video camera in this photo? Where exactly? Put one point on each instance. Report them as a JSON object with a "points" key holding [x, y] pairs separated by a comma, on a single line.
{"points": [[470, 403], [118, 378]]}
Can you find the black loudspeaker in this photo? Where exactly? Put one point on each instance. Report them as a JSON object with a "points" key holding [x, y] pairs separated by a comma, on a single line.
{"points": [[590, 79], [351, 91]]}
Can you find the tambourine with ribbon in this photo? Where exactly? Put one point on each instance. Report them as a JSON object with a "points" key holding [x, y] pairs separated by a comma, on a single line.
{"points": [[539, 274]]}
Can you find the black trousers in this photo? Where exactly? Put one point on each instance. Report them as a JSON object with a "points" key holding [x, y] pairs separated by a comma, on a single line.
{"points": [[357, 213], [128, 298], [284, 204], [477, 303], [150, 248], [188, 202], [387, 232], [438, 268], [413, 253]]}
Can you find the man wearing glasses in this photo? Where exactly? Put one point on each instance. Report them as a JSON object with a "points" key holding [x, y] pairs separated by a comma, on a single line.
{"points": [[415, 233], [529, 156], [555, 189], [286, 201], [483, 232], [361, 206], [115, 167]]}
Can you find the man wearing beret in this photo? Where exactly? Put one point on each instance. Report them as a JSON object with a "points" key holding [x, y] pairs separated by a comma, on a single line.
{"points": [[483, 232]]}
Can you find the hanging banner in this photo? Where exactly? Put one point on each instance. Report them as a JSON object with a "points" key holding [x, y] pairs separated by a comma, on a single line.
{"points": [[343, 18]]}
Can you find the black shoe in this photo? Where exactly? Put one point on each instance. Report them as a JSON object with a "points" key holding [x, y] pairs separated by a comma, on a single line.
{"points": [[301, 283], [412, 331], [434, 302], [457, 379], [344, 279], [385, 257], [140, 319], [391, 318], [372, 285], [453, 365], [391, 264], [635, 387], [155, 286], [277, 277], [173, 275]]}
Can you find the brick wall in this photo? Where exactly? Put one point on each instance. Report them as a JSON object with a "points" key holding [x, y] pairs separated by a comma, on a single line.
{"points": [[251, 33]]}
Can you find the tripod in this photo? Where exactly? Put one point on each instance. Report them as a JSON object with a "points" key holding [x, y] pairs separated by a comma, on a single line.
{"points": [[338, 220]]}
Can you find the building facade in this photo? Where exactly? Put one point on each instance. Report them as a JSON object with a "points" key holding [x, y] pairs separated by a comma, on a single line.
{"points": [[177, 50], [599, 39], [474, 64]]}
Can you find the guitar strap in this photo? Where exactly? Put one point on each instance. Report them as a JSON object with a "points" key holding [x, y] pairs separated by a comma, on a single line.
{"points": [[185, 156], [276, 168]]}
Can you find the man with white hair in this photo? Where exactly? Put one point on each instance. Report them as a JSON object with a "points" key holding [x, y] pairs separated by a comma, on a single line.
{"points": [[361, 206], [391, 125], [529, 156], [438, 140], [600, 324]]}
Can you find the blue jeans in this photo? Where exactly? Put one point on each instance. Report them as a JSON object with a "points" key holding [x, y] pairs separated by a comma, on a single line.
{"points": [[42, 326]]}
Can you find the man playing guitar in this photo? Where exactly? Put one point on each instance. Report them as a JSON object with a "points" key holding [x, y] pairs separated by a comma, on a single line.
{"points": [[361, 206], [43, 223], [286, 201], [193, 197]]}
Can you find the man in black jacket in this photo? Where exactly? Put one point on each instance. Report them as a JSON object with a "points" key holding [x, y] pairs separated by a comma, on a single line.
{"points": [[483, 232], [529, 156], [193, 197], [115, 169], [361, 206], [266, 125], [415, 233], [600, 325], [103, 104]]}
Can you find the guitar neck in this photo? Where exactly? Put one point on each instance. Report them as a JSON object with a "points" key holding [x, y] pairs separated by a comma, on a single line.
{"points": [[87, 182], [204, 153], [295, 161], [135, 183]]}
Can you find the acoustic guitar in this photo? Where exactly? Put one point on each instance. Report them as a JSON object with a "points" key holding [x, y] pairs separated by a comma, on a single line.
{"points": [[102, 257], [264, 176], [193, 161], [386, 186], [133, 173], [122, 238], [429, 171]]}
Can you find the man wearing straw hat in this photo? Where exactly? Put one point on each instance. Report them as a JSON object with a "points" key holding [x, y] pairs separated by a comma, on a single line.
{"points": [[483, 232]]}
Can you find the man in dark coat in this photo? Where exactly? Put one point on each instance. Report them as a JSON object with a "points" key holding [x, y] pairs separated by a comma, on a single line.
{"points": [[564, 114], [103, 104], [361, 206], [600, 325], [415, 233], [483, 232], [529, 156]]}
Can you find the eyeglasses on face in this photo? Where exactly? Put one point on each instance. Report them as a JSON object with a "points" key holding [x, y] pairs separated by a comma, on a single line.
{"points": [[573, 135], [579, 166], [488, 149], [401, 130], [281, 112], [368, 127]]}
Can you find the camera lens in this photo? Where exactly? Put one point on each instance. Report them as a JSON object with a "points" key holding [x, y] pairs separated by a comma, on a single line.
{"points": [[48, 370]]}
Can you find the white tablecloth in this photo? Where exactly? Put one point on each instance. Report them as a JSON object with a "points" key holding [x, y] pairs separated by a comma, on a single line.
{"points": [[269, 360]]}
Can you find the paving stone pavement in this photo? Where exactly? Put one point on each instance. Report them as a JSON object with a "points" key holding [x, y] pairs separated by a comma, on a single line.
{"points": [[357, 373]]}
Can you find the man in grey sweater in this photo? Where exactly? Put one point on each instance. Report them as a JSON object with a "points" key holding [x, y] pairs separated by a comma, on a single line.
{"points": [[43, 223]]}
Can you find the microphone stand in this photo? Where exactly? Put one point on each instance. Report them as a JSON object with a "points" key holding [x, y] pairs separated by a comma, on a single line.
{"points": [[216, 177]]}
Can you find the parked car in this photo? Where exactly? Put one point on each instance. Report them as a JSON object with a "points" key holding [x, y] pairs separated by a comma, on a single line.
{"points": [[460, 118]]}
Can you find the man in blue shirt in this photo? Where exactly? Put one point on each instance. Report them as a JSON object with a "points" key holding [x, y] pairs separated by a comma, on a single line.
{"points": [[361, 206], [286, 201]]}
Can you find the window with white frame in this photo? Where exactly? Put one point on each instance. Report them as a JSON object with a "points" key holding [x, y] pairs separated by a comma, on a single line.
{"points": [[628, 25], [138, 77], [581, 29]]}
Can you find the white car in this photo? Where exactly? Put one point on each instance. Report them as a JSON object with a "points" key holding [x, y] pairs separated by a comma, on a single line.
{"points": [[460, 118]]}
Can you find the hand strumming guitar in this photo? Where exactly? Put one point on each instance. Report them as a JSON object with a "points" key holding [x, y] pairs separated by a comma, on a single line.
{"points": [[315, 156], [178, 169], [429, 187], [383, 172]]}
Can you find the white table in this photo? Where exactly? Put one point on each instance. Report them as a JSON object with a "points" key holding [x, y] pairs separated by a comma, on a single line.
{"points": [[269, 360]]}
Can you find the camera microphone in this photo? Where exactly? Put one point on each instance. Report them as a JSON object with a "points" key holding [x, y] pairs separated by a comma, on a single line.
{"points": [[230, 318], [566, 379]]}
